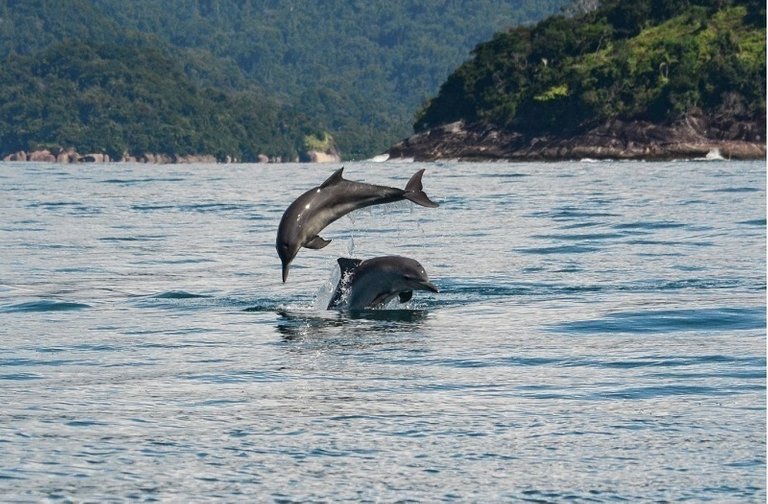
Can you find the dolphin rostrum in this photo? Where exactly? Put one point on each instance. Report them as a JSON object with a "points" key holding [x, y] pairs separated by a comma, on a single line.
{"points": [[334, 198], [373, 282]]}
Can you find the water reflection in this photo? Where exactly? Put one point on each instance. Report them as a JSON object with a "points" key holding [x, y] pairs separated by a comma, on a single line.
{"points": [[294, 325]]}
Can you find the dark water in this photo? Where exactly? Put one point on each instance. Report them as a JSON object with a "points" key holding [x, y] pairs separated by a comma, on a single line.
{"points": [[599, 337]]}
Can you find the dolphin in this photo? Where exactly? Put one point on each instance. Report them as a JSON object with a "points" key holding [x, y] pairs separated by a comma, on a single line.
{"points": [[331, 200], [373, 282]]}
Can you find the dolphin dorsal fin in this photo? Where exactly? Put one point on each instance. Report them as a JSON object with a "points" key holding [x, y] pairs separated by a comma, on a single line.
{"points": [[334, 179], [347, 264]]}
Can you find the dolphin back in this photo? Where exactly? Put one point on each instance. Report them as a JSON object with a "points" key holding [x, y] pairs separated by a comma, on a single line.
{"points": [[414, 191]]}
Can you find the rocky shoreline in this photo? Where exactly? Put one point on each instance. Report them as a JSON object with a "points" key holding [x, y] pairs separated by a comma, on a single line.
{"points": [[688, 138], [60, 155], [71, 156]]}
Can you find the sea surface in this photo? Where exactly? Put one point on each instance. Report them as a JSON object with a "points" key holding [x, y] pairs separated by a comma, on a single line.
{"points": [[600, 336]]}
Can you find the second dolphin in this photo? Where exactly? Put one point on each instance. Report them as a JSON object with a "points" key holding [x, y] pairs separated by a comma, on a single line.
{"points": [[334, 198], [373, 282]]}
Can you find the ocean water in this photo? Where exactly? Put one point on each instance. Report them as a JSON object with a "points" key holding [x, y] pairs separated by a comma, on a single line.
{"points": [[600, 336]]}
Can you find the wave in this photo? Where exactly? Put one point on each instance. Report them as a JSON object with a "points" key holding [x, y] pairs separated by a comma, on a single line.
{"points": [[20, 376], [180, 294], [140, 181], [194, 208], [138, 238], [734, 190], [44, 305], [660, 321], [650, 225], [562, 249], [380, 158], [753, 222], [465, 291]]}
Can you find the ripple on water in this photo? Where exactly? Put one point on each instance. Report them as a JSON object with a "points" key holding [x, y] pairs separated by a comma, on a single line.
{"points": [[43, 305], [753, 222], [20, 376], [192, 380], [655, 321], [130, 182], [559, 249], [650, 225], [734, 190], [179, 294]]}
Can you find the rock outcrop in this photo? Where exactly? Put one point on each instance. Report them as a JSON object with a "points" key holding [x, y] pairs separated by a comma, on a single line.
{"points": [[320, 149], [60, 155], [16, 156], [320, 157], [94, 158], [42, 156], [691, 137], [67, 156]]}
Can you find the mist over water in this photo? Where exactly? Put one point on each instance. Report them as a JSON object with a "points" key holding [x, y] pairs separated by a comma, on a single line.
{"points": [[599, 336]]}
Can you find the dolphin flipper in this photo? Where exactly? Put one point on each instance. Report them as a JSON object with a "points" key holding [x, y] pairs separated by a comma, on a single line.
{"points": [[414, 191], [406, 296], [317, 243], [380, 299]]}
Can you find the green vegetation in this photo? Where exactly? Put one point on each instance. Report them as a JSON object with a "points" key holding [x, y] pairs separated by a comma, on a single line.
{"points": [[135, 99], [641, 59], [318, 143], [232, 76]]}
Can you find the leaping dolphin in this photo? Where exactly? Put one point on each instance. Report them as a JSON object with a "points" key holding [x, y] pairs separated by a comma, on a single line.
{"points": [[373, 282], [334, 198]]}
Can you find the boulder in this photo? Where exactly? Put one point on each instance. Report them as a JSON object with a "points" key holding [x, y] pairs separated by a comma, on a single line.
{"points": [[94, 158], [67, 156], [127, 158], [16, 156], [41, 156], [148, 157], [320, 157], [192, 158]]}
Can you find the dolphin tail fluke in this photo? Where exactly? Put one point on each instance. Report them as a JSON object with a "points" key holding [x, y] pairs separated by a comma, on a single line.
{"points": [[414, 191]]}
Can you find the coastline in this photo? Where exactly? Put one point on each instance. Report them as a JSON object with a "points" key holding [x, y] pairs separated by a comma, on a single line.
{"points": [[689, 138], [59, 155]]}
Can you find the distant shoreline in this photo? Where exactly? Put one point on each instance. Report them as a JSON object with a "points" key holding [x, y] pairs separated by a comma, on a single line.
{"points": [[70, 156], [690, 138]]}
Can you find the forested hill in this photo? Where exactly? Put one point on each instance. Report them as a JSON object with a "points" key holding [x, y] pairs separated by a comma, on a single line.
{"points": [[651, 63], [132, 100], [357, 69]]}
